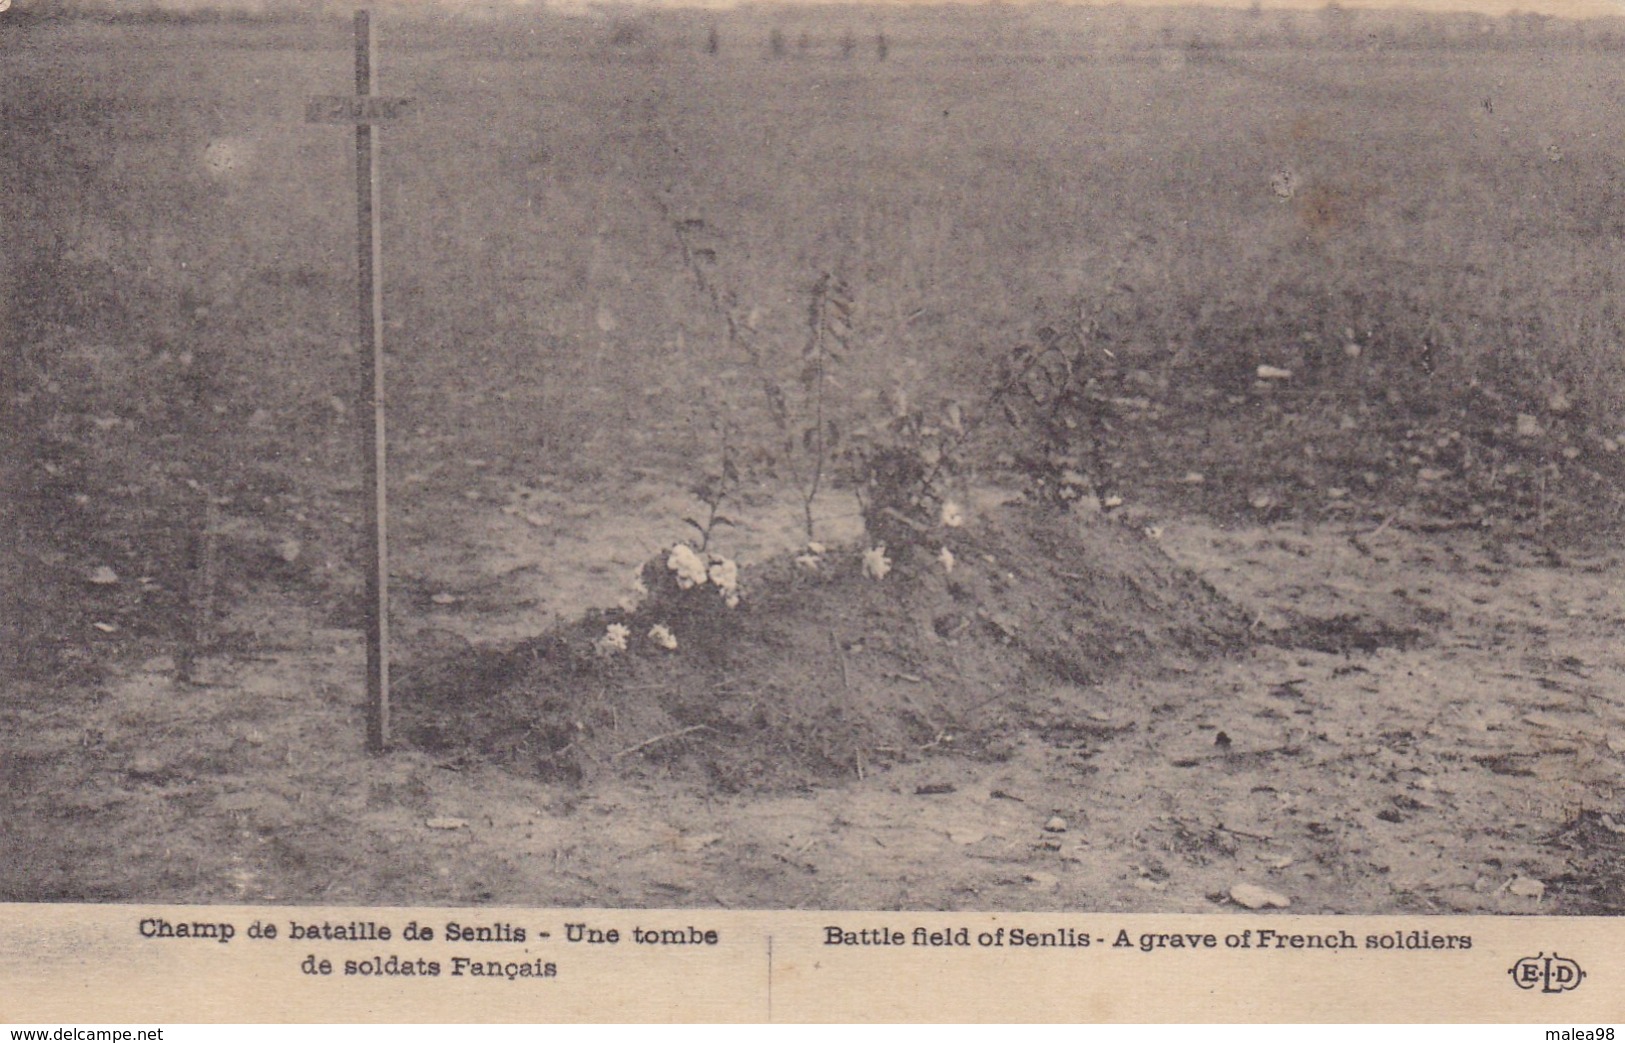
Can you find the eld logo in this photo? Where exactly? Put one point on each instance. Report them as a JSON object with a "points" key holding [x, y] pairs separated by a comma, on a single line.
{"points": [[1552, 973]]}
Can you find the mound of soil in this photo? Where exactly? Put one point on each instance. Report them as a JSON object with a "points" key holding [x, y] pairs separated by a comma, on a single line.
{"points": [[1333, 446], [823, 670], [1593, 850]]}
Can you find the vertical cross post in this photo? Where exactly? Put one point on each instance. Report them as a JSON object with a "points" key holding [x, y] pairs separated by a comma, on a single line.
{"points": [[370, 308], [362, 110]]}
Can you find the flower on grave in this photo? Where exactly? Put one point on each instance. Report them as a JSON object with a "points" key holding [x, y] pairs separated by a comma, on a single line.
{"points": [[953, 516], [725, 574], [614, 639], [946, 557], [875, 562], [688, 565], [661, 635]]}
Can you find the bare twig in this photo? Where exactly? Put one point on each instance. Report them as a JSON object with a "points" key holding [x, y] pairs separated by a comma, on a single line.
{"points": [[679, 733], [840, 657], [1379, 530], [897, 515]]}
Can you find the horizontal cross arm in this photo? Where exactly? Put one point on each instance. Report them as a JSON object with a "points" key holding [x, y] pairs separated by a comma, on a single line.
{"points": [[357, 109]]}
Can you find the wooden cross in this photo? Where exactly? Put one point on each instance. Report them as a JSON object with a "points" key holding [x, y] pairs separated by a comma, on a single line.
{"points": [[363, 110]]}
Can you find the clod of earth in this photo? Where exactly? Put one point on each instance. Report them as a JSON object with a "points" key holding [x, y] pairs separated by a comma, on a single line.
{"points": [[1251, 896], [1526, 887]]}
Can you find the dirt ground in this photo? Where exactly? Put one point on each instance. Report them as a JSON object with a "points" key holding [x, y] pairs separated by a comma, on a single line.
{"points": [[1429, 722], [1335, 323]]}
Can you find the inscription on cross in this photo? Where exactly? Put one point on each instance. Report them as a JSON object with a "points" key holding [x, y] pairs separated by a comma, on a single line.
{"points": [[344, 108], [363, 109]]}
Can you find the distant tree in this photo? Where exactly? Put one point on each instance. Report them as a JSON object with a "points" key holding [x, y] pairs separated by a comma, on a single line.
{"points": [[1535, 23], [881, 49], [1287, 26], [804, 42], [713, 42], [775, 43], [1255, 32], [849, 43], [1336, 21]]}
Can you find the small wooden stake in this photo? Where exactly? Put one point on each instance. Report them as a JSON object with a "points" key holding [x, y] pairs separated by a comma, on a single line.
{"points": [[369, 261]]}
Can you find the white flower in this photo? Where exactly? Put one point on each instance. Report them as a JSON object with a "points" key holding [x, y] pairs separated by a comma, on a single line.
{"points": [[661, 635], [875, 562], [614, 639], [731, 599], [946, 556], [725, 574], [815, 547], [953, 516], [808, 561], [687, 564]]}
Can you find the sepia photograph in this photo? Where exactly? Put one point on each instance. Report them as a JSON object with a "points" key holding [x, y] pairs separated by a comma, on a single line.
{"points": [[1009, 457]]}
